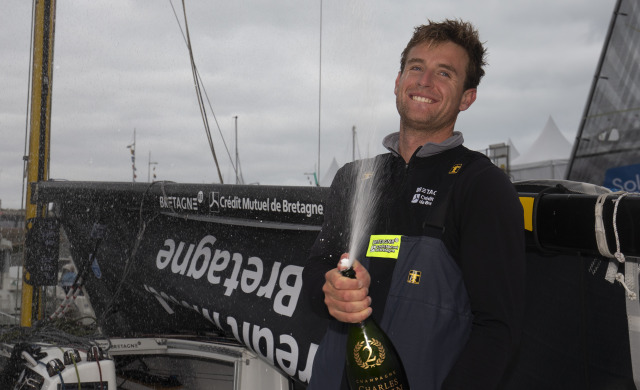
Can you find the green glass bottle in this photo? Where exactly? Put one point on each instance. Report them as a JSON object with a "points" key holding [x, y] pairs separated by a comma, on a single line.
{"points": [[372, 360]]}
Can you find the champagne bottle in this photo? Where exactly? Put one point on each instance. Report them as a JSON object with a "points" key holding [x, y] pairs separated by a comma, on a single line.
{"points": [[372, 360]]}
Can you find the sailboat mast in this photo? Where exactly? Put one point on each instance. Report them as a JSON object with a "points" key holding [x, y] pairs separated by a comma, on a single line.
{"points": [[39, 145], [353, 143]]}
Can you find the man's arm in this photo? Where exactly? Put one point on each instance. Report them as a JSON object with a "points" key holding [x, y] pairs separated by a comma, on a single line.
{"points": [[328, 292], [492, 258]]}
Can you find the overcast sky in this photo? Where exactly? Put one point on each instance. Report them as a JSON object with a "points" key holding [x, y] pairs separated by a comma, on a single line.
{"points": [[124, 65]]}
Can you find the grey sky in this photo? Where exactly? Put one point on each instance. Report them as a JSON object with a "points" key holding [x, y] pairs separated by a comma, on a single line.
{"points": [[121, 65]]}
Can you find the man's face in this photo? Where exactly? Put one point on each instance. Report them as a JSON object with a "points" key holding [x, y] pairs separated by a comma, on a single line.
{"points": [[430, 90]]}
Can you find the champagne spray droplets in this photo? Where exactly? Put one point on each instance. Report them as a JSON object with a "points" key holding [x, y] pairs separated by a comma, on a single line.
{"points": [[365, 202]]}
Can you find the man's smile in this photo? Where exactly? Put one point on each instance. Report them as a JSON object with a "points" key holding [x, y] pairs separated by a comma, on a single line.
{"points": [[421, 99]]}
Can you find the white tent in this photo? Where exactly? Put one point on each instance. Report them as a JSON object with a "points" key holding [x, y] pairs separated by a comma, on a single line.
{"points": [[546, 158]]}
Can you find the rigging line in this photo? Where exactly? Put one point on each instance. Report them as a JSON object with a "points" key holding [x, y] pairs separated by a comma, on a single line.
{"points": [[203, 113], [26, 126], [215, 118], [319, 90], [199, 94], [240, 172], [197, 85], [205, 91]]}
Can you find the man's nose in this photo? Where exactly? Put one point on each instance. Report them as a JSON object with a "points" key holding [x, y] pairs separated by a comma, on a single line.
{"points": [[425, 79]]}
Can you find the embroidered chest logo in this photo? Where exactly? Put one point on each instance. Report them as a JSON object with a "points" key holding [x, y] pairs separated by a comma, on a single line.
{"points": [[454, 169], [424, 196], [414, 277]]}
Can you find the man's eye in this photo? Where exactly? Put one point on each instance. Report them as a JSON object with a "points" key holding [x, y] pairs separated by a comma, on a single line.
{"points": [[445, 74]]}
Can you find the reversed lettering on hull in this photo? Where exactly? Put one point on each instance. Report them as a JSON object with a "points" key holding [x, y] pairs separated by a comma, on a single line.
{"points": [[280, 350], [204, 261]]}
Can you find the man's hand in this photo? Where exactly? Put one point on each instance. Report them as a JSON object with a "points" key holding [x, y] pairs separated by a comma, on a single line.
{"points": [[348, 299]]}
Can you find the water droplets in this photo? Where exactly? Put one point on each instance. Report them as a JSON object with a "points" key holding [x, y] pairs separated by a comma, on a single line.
{"points": [[364, 202]]}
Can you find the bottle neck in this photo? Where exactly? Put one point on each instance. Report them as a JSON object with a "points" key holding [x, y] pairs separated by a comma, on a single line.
{"points": [[350, 273]]}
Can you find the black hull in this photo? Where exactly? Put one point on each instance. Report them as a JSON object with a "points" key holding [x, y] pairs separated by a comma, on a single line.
{"points": [[225, 261]]}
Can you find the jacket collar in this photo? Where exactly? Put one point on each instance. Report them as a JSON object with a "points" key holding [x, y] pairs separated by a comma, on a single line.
{"points": [[392, 141]]}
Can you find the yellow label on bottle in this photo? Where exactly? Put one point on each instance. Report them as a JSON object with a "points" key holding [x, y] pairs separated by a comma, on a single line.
{"points": [[384, 245]]}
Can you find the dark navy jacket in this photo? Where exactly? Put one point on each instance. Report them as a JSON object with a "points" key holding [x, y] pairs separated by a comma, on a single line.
{"points": [[462, 229]]}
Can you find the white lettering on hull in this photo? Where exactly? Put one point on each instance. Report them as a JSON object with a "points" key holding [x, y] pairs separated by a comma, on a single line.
{"points": [[285, 281], [282, 351]]}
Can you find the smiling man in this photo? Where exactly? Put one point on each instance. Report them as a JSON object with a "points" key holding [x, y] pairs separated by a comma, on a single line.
{"points": [[451, 297], [430, 93]]}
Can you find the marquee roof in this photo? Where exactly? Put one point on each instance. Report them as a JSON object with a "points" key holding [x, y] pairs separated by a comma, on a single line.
{"points": [[551, 144]]}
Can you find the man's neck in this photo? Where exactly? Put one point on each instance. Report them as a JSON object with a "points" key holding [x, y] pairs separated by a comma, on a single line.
{"points": [[409, 141]]}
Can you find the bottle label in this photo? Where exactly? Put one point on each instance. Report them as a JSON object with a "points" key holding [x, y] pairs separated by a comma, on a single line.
{"points": [[372, 366], [384, 245], [369, 354], [387, 382]]}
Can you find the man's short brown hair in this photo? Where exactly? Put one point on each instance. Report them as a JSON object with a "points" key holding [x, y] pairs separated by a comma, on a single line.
{"points": [[459, 32]]}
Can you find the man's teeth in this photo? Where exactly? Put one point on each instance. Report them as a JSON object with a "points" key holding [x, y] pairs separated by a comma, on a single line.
{"points": [[422, 99]]}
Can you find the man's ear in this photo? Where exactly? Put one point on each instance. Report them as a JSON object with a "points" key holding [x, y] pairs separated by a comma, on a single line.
{"points": [[468, 97]]}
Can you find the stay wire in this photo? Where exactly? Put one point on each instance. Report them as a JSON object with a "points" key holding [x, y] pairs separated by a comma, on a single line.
{"points": [[203, 112], [215, 118]]}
